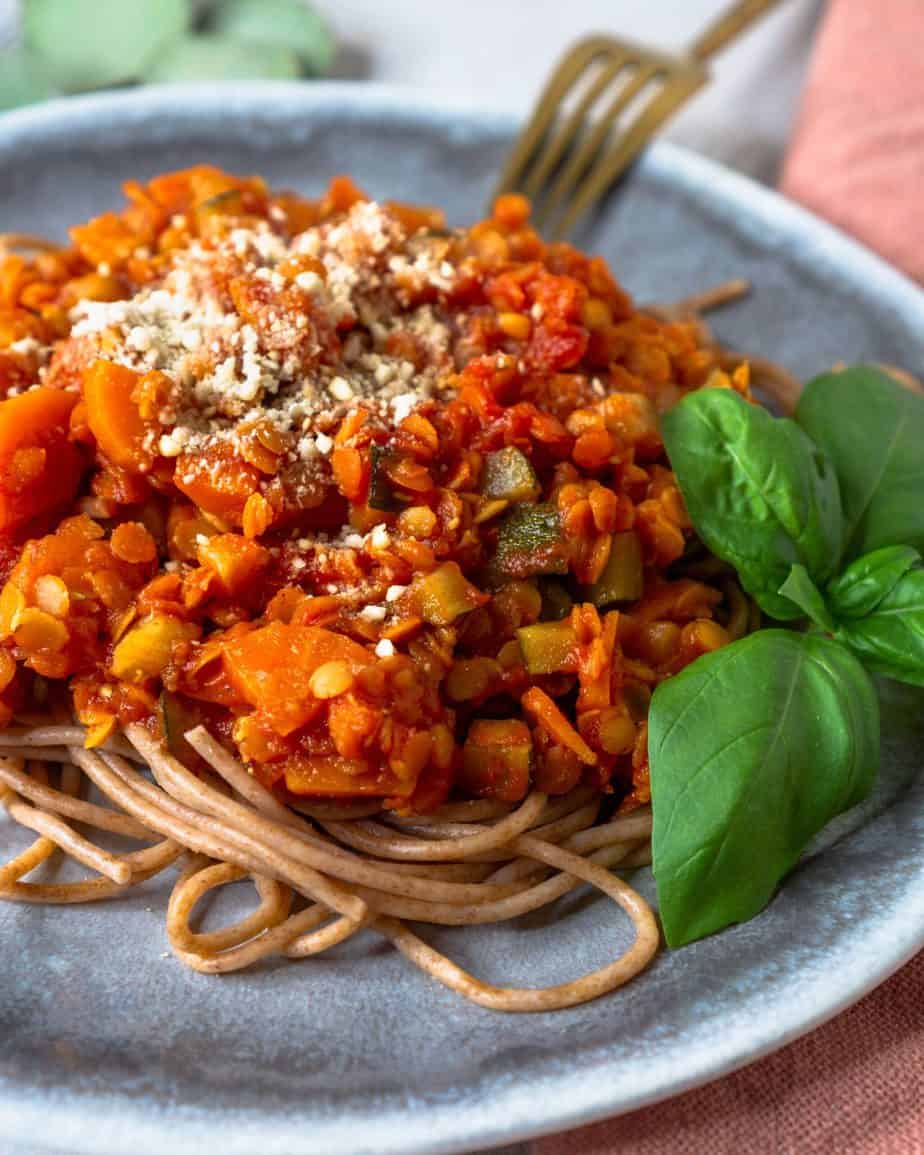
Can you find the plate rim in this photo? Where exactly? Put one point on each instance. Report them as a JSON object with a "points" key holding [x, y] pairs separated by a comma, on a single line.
{"points": [[513, 1113]]}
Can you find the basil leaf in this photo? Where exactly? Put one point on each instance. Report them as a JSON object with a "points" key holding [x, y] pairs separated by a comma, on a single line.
{"points": [[889, 638], [866, 581], [759, 493], [873, 430], [800, 588], [93, 43], [753, 749]]}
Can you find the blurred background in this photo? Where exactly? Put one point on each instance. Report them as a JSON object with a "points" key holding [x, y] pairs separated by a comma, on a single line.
{"points": [[823, 98], [481, 53]]}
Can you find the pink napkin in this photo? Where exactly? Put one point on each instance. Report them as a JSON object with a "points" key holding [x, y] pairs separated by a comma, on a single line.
{"points": [[856, 1085], [853, 1087], [857, 155]]}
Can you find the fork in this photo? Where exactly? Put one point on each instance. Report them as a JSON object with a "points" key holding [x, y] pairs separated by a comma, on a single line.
{"points": [[621, 93]]}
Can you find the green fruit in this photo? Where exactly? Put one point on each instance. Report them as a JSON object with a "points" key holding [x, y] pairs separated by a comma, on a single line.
{"points": [[287, 24], [203, 58], [22, 80], [95, 43]]}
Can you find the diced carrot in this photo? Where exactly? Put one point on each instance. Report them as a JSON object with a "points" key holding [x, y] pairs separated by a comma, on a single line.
{"points": [[353, 725], [537, 703], [350, 472], [39, 467], [218, 481], [271, 669], [107, 238], [235, 560], [341, 195], [113, 415]]}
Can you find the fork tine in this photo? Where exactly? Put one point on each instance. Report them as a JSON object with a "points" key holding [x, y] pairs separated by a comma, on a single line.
{"points": [[567, 132], [676, 92], [571, 66], [582, 159]]}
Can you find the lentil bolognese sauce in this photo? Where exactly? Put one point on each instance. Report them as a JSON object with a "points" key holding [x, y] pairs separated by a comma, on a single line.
{"points": [[340, 553]]}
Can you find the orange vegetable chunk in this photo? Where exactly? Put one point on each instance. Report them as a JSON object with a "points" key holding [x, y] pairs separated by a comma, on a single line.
{"points": [[236, 561], [218, 480], [497, 759], [113, 416], [271, 669], [336, 777], [39, 467]]}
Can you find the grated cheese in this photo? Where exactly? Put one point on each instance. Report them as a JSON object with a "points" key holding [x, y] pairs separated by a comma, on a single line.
{"points": [[373, 613], [379, 538], [305, 351]]}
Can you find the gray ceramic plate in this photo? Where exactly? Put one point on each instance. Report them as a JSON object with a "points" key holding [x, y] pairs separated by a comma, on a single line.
{"points": [[108, 1046]]}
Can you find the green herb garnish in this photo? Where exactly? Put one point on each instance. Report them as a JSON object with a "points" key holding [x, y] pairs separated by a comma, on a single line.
{"points": [[754, 748], [872, 429], [761, 495], [888, 637], [738, 795]]}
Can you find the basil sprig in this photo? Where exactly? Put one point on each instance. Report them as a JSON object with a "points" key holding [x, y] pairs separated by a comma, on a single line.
{"points": [[737, 796], [872, 429], [865, 582], [754, 748], [888, 636], [761, 495]]}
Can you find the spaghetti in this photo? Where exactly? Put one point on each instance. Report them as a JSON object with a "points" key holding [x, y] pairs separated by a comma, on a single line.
{"points": [[230, 836], [351, 497]]}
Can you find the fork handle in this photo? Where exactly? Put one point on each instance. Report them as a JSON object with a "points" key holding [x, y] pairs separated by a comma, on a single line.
{"points": [[728, 26]]}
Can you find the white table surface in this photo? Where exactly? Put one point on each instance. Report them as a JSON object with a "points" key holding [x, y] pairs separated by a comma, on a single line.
{"points": [[495, 54]]}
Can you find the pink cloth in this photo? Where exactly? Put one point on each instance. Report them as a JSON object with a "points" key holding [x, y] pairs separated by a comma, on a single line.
{"points": [[857, 156], [856, 1085], [853, 1087]]}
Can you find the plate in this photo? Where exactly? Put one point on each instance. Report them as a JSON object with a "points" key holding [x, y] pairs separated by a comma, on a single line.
{"points": [[109, 1045]]}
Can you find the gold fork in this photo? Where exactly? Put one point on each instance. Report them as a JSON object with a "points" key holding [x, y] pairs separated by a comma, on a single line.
{"points": [[565, 160]]}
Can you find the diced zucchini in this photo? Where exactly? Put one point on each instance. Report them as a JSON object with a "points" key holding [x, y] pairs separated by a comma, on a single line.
{"points": [[508, 476], [445, 594], [177, 718], [548, 647], [530, 541], [169, 717], [622, 579], [556, 601], [227, 199], [147, 648], [381, 494], [497, 759]]}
